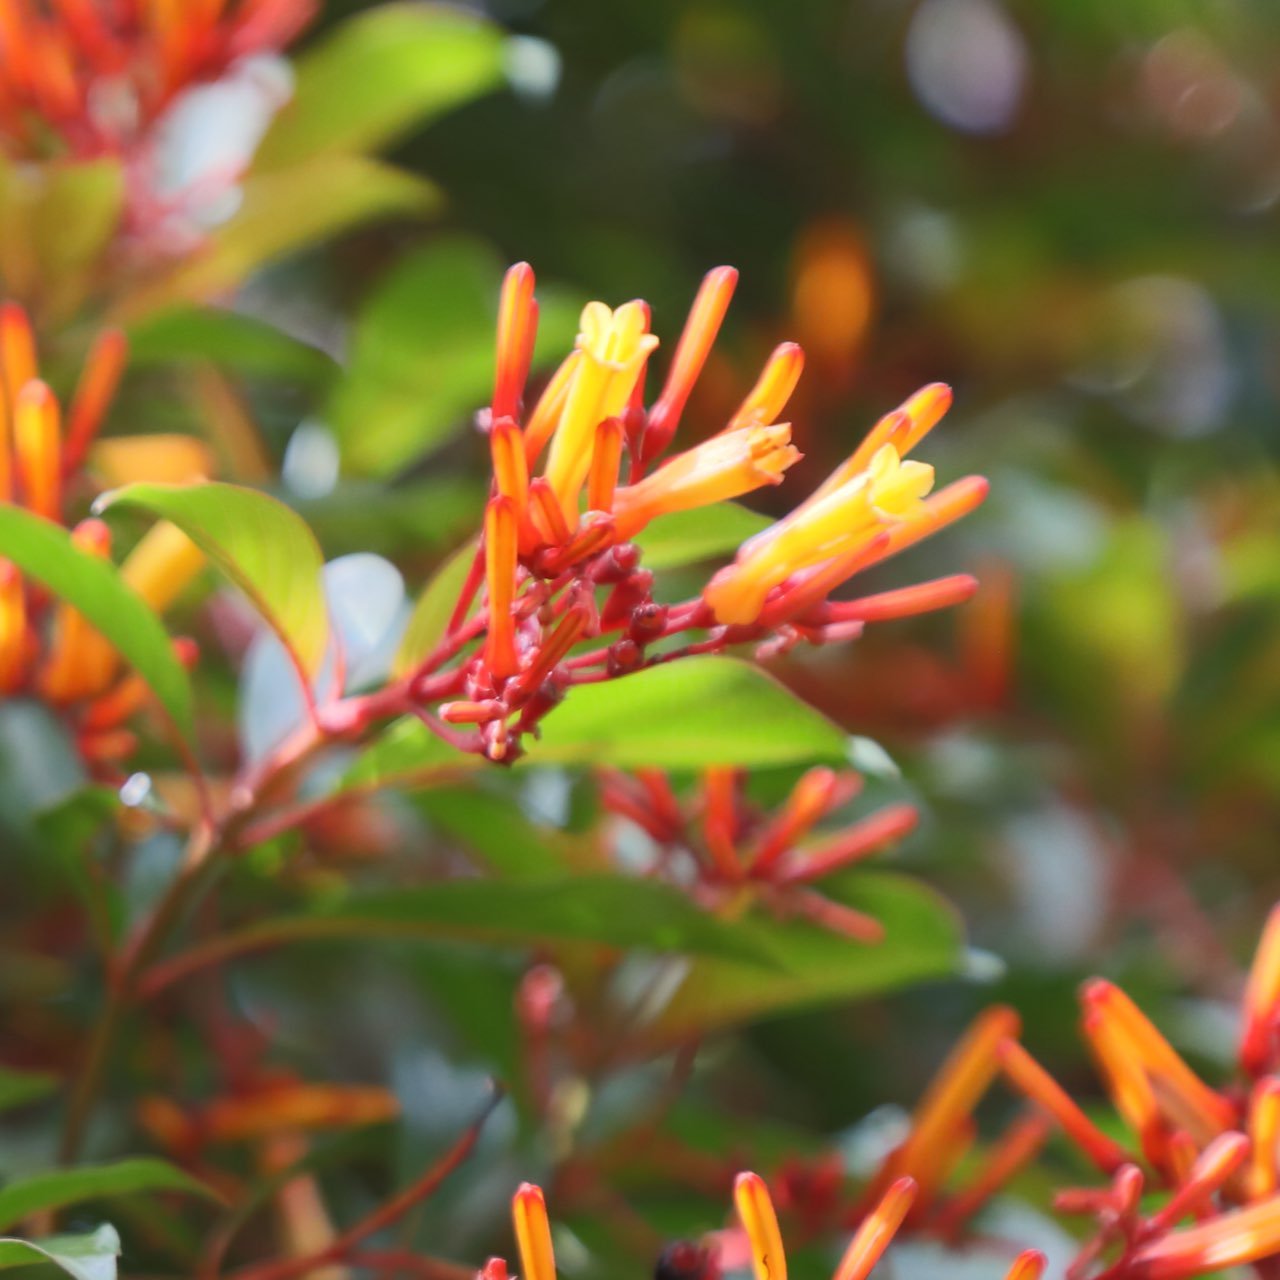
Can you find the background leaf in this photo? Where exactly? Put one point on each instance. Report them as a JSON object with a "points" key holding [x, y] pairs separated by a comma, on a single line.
{"points": [[686, 715], [418, 373], [259, 543], [20, 1087], [686, 537], [613, 911], [60, 1187], [379, 73], [434, 608], [86, 1257], [816, 966], [46, 553]]}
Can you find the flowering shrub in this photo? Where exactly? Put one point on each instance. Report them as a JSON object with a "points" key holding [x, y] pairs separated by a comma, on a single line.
{"points": [[339, 911]]}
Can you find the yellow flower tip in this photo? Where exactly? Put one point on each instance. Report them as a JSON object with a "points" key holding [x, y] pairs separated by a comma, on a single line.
{"points": [[613, 346], [725, 466], [897, 488], [760, 1222], [617, 338], [533, 1233], [162, 564], [1028, 1265]]}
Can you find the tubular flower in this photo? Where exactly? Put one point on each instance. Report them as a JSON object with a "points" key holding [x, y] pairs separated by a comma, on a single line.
{"points": [[724, 846], [872, 506], [557, 594], [47, 649], [873, 1234], [95, 77]]}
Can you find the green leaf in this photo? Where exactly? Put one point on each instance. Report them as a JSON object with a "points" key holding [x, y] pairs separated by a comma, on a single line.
{"points": [[815, 966], [45, 552], [434, 608], [259, 544], [285, 212], [612, 911], [17, 1088], [377, 75], [86, 1257], [229, 339], [60, 1187], [685, 715], [686, 537], [422, 354]]}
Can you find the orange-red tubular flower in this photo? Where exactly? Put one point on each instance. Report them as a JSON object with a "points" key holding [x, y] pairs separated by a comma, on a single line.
{"points": [[760, 1222], [774, 387], [700, 330], [1032, 1080], [1261, 1001], [98, 382], [949, 1102], [818, 792], [533, 1234], [1226, 1240], [1264, 1134], [37, 444], [517, 329], [500, 554], [876, 1231], [1185, 1098]]}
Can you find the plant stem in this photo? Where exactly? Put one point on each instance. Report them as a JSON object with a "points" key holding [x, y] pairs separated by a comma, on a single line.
{"points": [[344, 1245]]}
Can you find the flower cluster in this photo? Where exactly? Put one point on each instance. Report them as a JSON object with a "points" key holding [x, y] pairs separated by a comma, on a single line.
{"points": [[47, 649], [579, 477], [90, 77], [728, 848], [759, 1222], [1205, 1154]]}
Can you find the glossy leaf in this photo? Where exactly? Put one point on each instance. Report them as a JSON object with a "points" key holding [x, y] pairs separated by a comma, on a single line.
{"points": [[259, 544], [686, 537], [44, 551], [815, 966], [378, 74], [85, 1257], [433, 610], [61, 1187], [687, 714], [422, 354]]}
